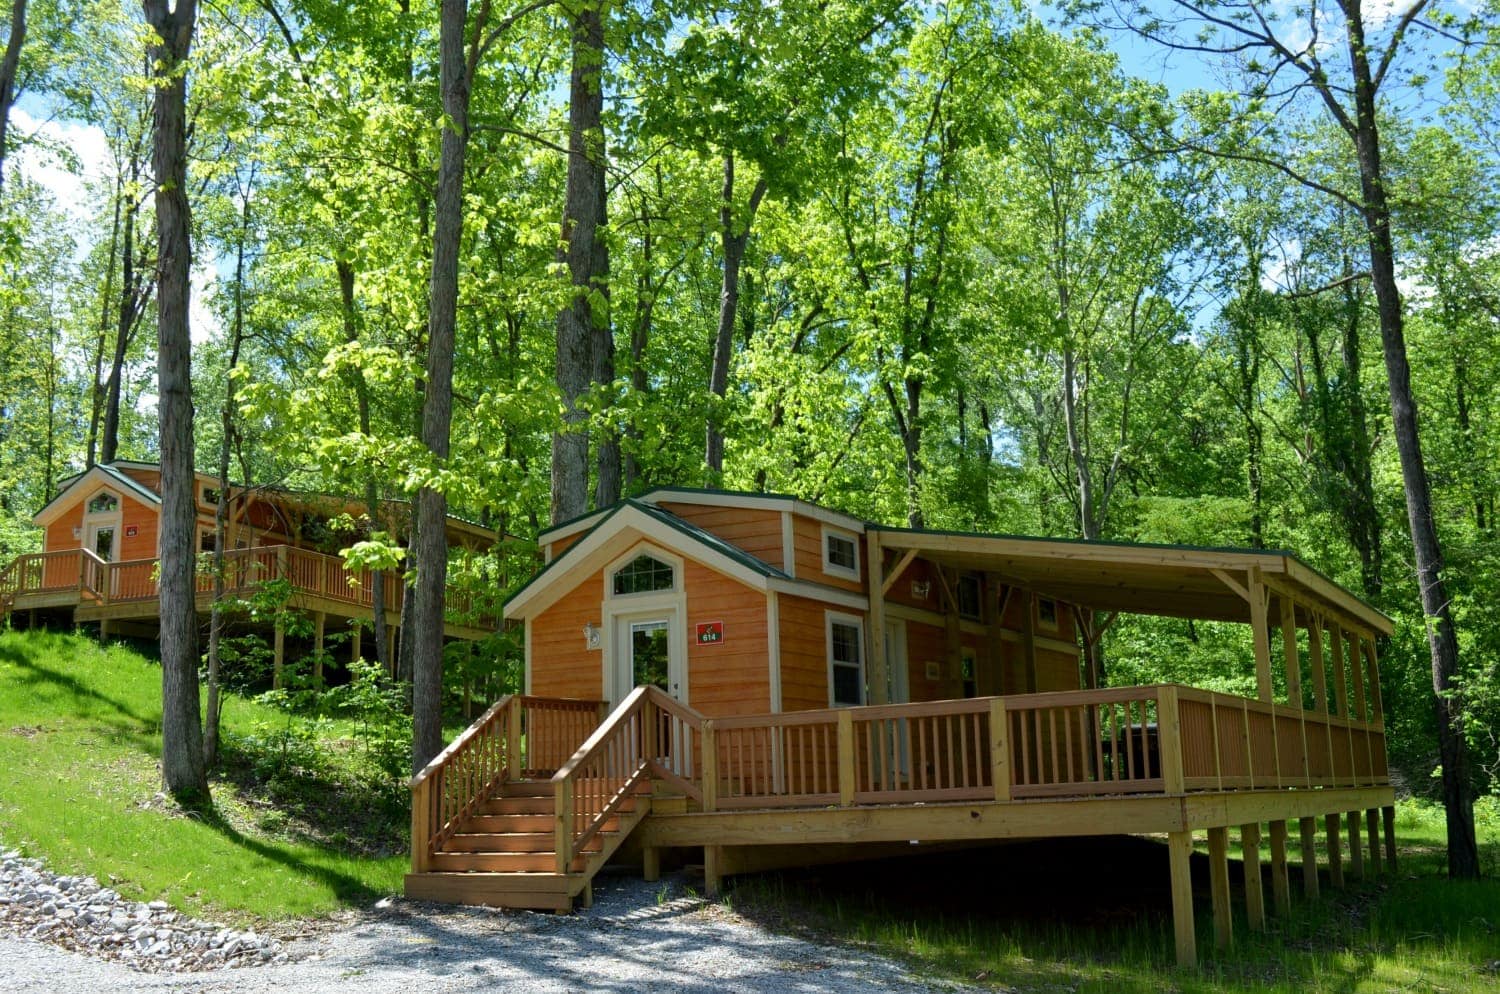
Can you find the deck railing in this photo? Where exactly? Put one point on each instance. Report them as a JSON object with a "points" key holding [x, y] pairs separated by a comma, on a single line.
{"points": [[136, 580], [1162, 739]]}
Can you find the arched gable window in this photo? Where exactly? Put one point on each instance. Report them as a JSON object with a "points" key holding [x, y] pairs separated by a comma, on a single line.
{"points": [[643, 575], [103, 502]]}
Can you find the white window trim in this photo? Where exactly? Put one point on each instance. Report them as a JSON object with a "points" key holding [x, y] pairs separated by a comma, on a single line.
{"points": [[104, 519], [830, 618], [644, 549], [670, 603], [835, 570]]}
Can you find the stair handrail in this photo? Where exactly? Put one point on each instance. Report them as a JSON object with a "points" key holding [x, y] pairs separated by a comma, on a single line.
{"points": [[604, 772], [458, 779]]}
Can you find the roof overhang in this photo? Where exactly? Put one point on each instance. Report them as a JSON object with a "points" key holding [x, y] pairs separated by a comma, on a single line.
{"points": [[714, 498], [95, 476], [1172, 581], [611, 536]]}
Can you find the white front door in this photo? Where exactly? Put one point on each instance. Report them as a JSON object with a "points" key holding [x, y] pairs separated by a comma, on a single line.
{"points": [[648, 648], [895, 661], [104, 541]]}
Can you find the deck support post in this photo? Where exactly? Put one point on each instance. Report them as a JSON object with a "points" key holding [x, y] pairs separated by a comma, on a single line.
{"points": [[713, 865], [1335, 850], [1388, 814], [103, 629], [1372, 838], [320, 622], [1180, 858], [650, 864], [1356, 851], [1218, 877], [1255, 897], [586, 896], [354, 640], [1281, 890], [278, 654], [1309, 830]]}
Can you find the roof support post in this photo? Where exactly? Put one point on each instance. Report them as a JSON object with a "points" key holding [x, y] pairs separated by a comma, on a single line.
{"points": [[992, 682], [1262, 637], [1340, 705], [1372, 661], [1356, 671], [878, 672], [1028, 641], [1289, 651], [1317, 660]]}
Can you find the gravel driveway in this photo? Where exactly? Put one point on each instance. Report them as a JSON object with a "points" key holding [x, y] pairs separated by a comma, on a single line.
{"points": [[637, 937]]}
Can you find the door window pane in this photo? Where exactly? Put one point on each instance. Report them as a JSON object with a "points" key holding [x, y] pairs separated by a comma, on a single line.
{"points": [[649, 654], [104, 543]]}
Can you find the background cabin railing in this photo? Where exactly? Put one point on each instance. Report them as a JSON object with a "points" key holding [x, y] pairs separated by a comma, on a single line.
{"points": [[135, 580]]}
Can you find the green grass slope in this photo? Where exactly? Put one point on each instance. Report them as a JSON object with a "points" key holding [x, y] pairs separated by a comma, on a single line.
{"points": [[80, 743]]}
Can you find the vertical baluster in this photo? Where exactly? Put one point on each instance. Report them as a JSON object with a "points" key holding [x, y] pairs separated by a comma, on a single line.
{"points": [[1021, 733]]}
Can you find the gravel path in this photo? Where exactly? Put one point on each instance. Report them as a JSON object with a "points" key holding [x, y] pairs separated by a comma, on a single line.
{"points": [[637, 937]]}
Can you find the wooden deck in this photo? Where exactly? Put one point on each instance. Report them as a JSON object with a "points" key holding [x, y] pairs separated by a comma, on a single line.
{"points": [[320, 585], [757, 791]]}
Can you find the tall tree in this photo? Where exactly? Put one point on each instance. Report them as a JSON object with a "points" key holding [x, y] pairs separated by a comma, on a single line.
{"points": [[1284, 55], [583, 322], [9, 66], [183, 770]]}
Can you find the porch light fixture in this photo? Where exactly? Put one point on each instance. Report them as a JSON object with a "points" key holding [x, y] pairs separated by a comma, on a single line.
{"points": [[920, 589], [591, 633]]}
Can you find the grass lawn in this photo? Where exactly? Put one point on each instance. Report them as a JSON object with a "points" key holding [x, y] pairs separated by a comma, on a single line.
{"points": [[79, 781], [1094, 916]]}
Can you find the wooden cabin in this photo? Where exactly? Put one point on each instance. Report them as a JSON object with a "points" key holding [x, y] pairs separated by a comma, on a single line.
{"points": [[99, 556], [776, 683]]}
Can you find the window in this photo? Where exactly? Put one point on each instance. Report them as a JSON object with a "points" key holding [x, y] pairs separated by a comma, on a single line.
{"points": [[969, 599], [643, 575], [211, 496], [840, 554], [846, 670], [967, 668], [1046, 613], [206, 540], [104, 503]]}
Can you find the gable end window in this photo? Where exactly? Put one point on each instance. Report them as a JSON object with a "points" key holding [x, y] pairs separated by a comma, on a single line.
{"points": [[103, 503], [846, 669], [643, 575], [840, 553]]}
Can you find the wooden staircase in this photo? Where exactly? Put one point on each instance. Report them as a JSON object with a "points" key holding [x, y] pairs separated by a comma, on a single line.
{"points": [[504, 853]]}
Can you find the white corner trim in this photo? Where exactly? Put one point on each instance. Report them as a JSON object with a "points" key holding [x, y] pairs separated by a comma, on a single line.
{"points": [[788, 545], [526, 659], [773, 648]]}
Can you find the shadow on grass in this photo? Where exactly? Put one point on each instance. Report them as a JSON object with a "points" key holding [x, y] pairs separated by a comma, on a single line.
{"points": [[141, 730], [344, 886], [1095, 911]]}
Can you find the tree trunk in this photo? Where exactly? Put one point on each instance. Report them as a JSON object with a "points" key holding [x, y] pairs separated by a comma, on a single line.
{"points": [[587, 258], [732, 244], [133, 290], [182, 734], [1363, 514], [221, 509], [96, 392], [8, 69], [372, 490], [430, 550], [1458, 801]]}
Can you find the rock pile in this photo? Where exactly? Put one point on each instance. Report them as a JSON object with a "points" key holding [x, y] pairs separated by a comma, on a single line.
{"points": [[77, 914]]}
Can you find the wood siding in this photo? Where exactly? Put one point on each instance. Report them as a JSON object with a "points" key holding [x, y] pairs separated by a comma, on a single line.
{"points": [[561, 664], [807, 545], [59, 535], [142, 517], [733, 677], [804, 653], [756, 531]]}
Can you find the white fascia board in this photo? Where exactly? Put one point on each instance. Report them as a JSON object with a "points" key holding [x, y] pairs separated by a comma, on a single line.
{"points": [[628, 527]]}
